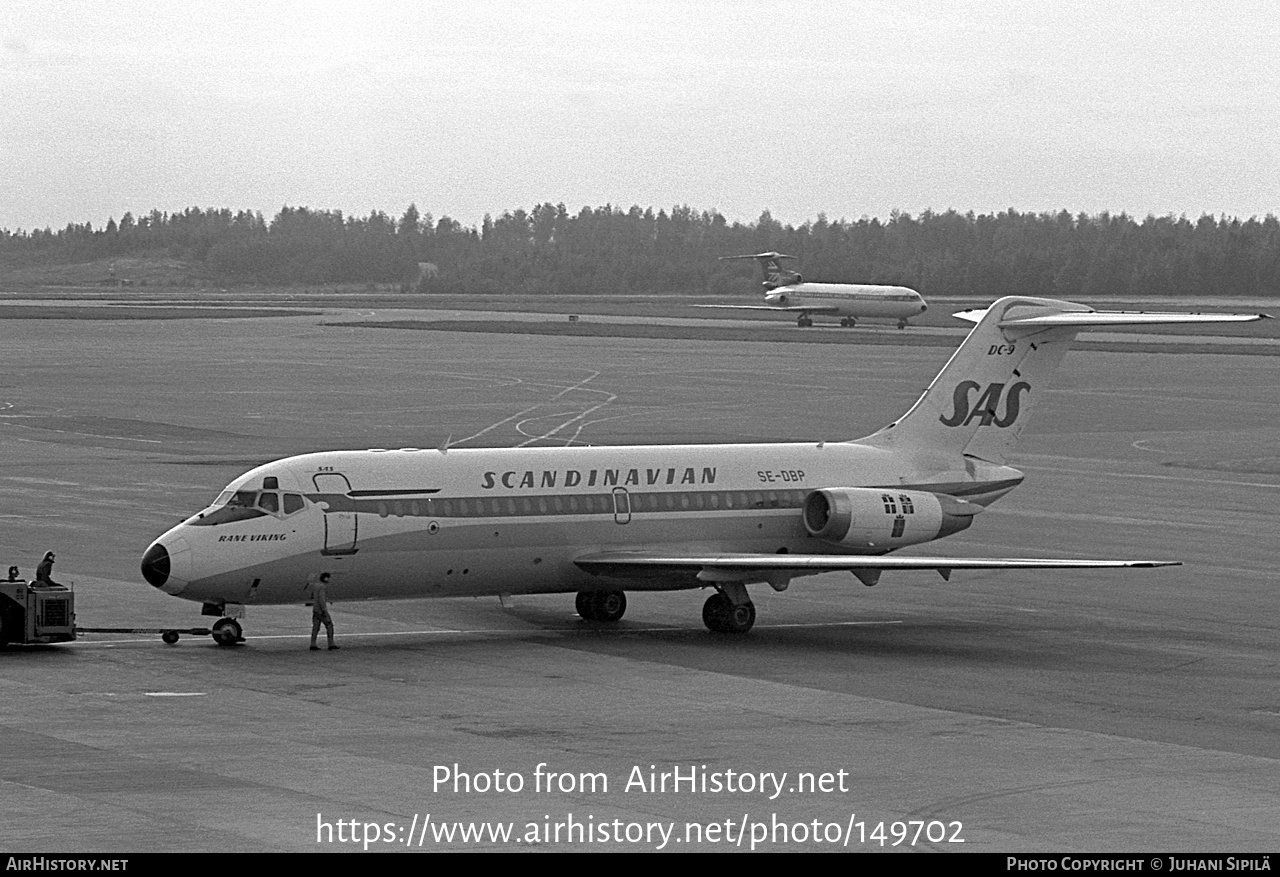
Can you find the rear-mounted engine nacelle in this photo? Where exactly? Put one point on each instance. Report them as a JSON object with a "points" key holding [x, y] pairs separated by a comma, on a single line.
{"points": [[871, 518]]}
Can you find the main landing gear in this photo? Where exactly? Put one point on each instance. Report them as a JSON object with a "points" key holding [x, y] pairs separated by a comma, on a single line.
{"points": [[805, 321], [902, 324], [729, 610], [848, 322], [605, 606]]}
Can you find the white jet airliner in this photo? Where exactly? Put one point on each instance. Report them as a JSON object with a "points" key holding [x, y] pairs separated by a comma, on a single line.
{"points": [[786, 291], [599, 521]]}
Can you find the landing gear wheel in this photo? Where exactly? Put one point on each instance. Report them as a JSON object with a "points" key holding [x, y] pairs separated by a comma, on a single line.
{"points": [[902, 324], [848, 322], [740, 618], [170, 637], [804, 322], [227, 632], [714, 612], [721, 616], [608, 606], [583, 604]]}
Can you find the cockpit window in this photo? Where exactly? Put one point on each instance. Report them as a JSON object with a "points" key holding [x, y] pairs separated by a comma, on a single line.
{"points": [[243, 499], [241, 505], [230, 506]]}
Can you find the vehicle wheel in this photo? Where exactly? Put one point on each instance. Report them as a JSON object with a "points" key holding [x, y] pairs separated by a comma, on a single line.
{"points": [[714, 612], [170, 637], [608, 606], [583, 603], [739, 619], [227, 632]]}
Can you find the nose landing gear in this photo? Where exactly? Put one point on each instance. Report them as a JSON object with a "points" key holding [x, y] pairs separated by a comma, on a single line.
{"points": [[228, 632]]}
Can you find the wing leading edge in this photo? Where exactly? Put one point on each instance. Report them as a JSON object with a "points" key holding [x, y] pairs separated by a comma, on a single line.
{"points": [[775, 568]]}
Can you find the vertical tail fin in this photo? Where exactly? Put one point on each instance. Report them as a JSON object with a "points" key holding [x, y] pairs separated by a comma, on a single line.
{"points": [[771, 266], [979, 403]]}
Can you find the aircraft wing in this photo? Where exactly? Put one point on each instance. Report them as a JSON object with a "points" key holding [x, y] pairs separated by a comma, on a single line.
{"points": [[765, 567], [785, 309]]}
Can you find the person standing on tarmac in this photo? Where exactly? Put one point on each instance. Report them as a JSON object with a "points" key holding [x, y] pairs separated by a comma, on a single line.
{"points": [[320, 613], [44, 572]]}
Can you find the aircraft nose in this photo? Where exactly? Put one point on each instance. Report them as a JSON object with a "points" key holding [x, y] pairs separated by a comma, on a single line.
{"points": [[155, 565], [168, 567]]}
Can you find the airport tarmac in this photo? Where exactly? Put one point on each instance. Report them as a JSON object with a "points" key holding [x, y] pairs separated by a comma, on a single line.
{"points": [[1039, 711]]}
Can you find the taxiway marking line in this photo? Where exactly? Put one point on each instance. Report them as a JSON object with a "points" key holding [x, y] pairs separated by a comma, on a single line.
{"points": [[500, 631]]}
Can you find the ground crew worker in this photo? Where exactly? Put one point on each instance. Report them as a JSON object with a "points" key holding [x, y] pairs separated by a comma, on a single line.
{"points": [[320, 612], [44, 572]]}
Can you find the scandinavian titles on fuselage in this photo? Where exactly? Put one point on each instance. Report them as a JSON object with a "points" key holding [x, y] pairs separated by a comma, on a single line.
{"points": [[514, 479]]}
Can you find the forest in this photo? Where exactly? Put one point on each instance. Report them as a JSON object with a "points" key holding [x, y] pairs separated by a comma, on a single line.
{"points": [[610, 250]]}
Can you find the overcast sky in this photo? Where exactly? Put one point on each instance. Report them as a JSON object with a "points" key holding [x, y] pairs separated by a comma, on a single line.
{"points": [[801, 108]]}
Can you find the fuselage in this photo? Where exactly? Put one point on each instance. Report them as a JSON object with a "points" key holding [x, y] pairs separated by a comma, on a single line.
{"points": [[413, 522], [849, 300]]}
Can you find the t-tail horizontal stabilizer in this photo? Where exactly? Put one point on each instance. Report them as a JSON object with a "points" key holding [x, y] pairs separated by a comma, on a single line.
{"points": [[771, 266], [1091, 318]]}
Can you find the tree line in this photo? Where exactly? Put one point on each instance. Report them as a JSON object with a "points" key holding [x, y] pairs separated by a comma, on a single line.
{"points": [[611, 250]]}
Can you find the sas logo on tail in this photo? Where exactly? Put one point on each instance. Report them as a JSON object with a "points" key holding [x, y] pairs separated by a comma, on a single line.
{"points": [[986, 406]]}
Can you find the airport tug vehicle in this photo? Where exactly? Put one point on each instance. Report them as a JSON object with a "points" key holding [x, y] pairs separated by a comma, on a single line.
{"points": [[35, 613], [31, 613]]}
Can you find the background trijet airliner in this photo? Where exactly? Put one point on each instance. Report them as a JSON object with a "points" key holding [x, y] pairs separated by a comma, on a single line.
{"points": [[602, 520], [786, 291]]}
